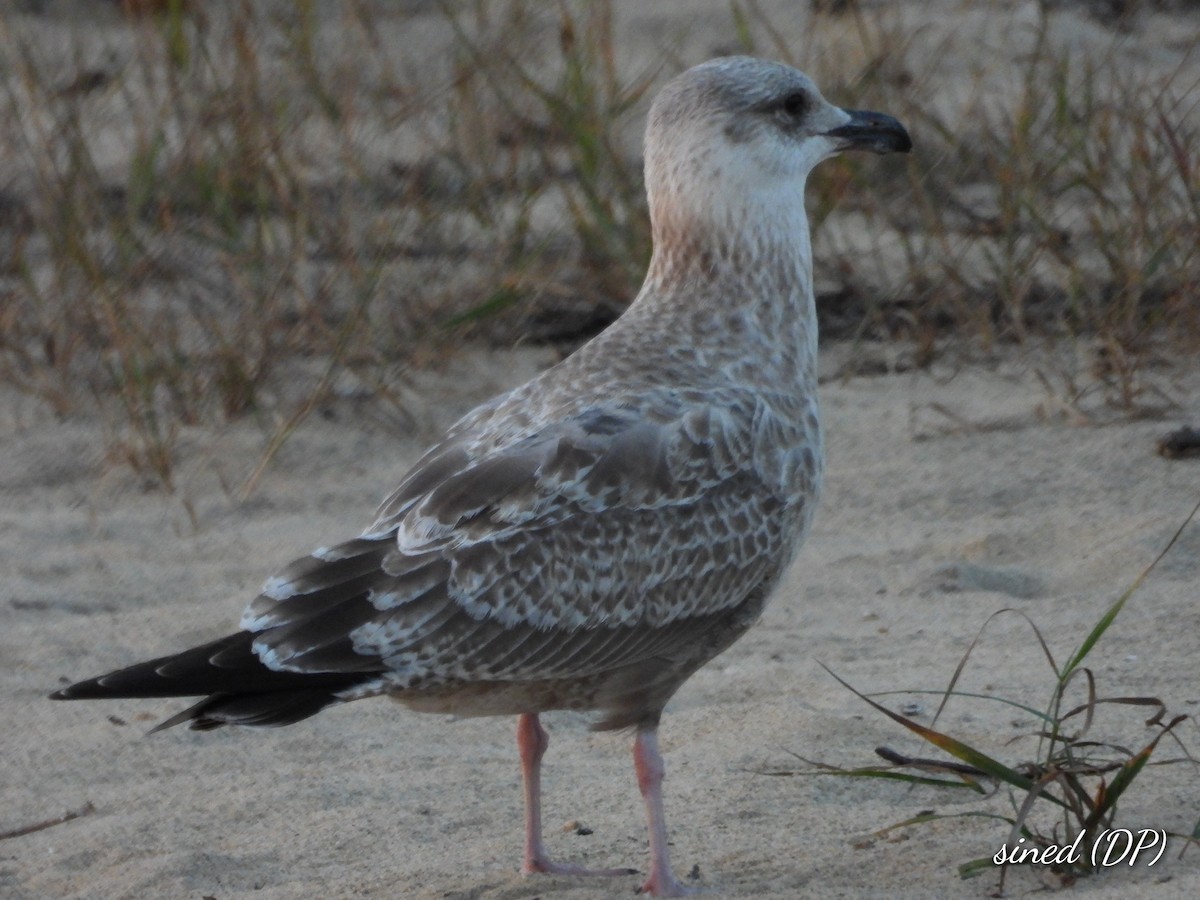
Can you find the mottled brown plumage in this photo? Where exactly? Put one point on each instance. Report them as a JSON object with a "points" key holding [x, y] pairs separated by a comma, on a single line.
{"points": [[591, 538]]}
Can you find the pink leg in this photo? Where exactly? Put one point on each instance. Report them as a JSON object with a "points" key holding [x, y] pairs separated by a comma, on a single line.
{"points": [[532, 742], [648, 763]]}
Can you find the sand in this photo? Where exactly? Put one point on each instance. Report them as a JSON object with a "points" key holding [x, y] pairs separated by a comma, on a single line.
{"points": [[950, 495]]}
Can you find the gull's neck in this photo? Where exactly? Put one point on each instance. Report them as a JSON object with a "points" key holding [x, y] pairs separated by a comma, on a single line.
{"points": [[736, 275]]}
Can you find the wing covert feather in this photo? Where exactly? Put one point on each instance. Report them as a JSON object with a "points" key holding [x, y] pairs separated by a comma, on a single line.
{"points": [[559, 552]]}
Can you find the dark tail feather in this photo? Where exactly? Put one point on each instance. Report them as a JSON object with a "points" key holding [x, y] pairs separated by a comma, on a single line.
{"points": [[273, 709], [242, 690]]}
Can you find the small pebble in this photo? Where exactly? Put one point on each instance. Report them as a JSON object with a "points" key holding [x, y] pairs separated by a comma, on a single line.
{"points": [[1182, 442]]}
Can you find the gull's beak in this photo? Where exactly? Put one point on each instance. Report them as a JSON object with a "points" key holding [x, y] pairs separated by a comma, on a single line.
{"points": [[872, 131]]}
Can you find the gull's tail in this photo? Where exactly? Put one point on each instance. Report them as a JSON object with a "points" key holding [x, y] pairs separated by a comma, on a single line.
{"points": [[241, 690]]}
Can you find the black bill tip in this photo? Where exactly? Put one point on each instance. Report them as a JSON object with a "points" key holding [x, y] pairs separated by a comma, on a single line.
{"points": [[876, 132]]}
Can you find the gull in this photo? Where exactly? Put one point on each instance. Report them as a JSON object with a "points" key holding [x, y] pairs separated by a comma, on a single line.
{"points": [[589, 539]]}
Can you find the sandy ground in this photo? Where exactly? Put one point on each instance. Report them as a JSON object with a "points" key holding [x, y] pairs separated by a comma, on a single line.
{"points": [[950, 496]]}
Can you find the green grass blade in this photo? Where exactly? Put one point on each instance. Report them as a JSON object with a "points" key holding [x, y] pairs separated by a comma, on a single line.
{"points": [[954, 747], [1107, 619]]}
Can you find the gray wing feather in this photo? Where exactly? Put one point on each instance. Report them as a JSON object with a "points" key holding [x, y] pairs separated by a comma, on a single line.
{"points": [[559, 552]]}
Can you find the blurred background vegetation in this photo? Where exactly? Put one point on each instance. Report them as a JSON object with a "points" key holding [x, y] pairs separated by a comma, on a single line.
{"points": [[211, 212]]}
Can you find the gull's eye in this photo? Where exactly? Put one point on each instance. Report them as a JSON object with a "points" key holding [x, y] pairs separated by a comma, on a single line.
{"points": [[795, 104]]}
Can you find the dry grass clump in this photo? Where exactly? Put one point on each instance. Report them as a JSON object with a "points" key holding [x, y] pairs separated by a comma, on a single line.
{"points": [[200, 233], [537, 115], [224, 211], [1054, 192]]}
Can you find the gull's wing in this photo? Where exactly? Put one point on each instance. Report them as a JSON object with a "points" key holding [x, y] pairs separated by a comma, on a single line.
{"points": [[560, 552]]}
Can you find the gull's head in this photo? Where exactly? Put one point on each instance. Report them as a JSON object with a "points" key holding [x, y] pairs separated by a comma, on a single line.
{"points": [[737, 135]]}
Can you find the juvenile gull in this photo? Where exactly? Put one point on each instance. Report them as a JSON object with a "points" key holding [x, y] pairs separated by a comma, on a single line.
{"points": [[589, 539]]}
